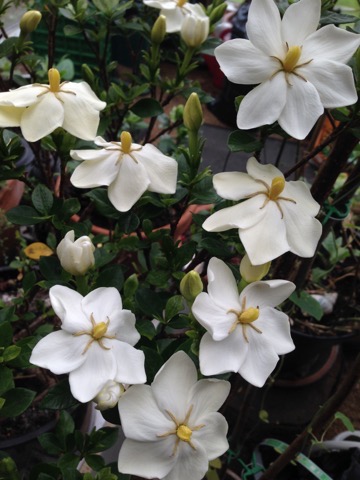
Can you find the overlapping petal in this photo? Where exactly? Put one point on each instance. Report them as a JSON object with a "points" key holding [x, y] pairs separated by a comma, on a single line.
{"points": [[207, 396], [213, 436], [222, 288], [268, 293], [10, 116], [67, 306], [100, 303], [213, 317], [264, 104], [275, 327], [263, 27], [235, 185], [32, 123], [309, 12], [190, 463], [161, 169], [129, 363]]}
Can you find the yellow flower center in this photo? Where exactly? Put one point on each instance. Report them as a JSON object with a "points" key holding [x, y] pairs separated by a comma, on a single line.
{"points": [[277, 186], [249, 315], [292, 57], [54, 80], [96, 334], [99, 330], [182, 431], [245, 317], [126, 142], [181, 3]]}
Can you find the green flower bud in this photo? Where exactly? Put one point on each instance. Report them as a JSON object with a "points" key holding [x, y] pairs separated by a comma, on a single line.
{"points": [[158, 31], [190, 286], [87, 73], [29, 21], [217, 13], [131, 285], [193, 114], [253, 273]]}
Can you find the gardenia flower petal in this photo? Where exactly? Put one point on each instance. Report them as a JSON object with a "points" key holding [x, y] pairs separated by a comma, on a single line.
{"points": [[302, 108], [331, 43], [99, 168], [91, 377], [94, 302], [130, 183], [264, 26], [129, 363], [22, 96], [234, 185], [264, 104], [246, 342], [59, 352], [123, 327], [222, 288], [10, 116], [291, 47], [247, 65], [258, 171], [172, 384], [67, 306], [221, 357], [146, 459], [309, 12], [214, 318], [333, 81], [33, 126], [171, 428]]}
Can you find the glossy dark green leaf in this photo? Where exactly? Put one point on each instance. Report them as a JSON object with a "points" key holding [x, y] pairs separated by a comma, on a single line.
{"points": [[147, 107], [17, 400], [240, 141], [42, 199]]}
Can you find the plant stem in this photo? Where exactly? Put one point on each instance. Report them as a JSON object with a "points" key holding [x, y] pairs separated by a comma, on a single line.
{"points": [[320, 418]]}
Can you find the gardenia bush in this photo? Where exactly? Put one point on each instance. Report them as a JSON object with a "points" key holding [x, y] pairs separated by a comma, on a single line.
{"points": [[129, 292]]}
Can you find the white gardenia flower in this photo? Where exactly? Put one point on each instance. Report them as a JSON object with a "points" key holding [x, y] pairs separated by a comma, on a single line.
{"points": [[175, 11], [275, 217], [172, 427], [76, 256], [39, 109], [245, 333], [129, 169], [195, 29], [300, 70], [95, 343]]}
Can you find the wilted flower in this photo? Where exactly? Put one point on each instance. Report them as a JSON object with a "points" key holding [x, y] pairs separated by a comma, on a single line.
{"points": [[76, 257], [300, 70], [109, 396], [195, 29], [275, 217], [39, 109], [129, 169], [245, 333], [175, 12], [172, 427], [95, 343]]}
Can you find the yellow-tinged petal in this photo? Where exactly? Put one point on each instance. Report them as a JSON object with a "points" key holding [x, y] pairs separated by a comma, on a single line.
{"points": [[36, 250]]}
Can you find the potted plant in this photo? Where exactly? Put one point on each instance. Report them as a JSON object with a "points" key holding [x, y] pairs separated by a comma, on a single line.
{"points": [[128, 316]]}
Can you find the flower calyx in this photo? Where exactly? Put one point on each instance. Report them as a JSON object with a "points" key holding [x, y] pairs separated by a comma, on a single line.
{"points": [[97, 333], [245, 317], [182, 430]]}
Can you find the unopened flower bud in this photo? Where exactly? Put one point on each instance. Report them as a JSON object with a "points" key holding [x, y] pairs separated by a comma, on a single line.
{"points": [[29, 21], [193, 114], [190, 286], [158, 30], [109, 396], [217, 13], [87, 74], [76, 257], [195, 29], [253, 273]]}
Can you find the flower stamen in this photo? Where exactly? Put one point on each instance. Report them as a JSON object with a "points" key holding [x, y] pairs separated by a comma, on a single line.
{"points": [[182, 430], [245, 317], [97, 333]]}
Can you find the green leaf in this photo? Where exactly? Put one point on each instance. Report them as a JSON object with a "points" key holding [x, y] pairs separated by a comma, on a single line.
{"points": [[147, 107], [24, 215], [111, 276], [68, 462], [6, 379], [345, 420], [8, 46], [29, 281], [173, 306], [6, 334], [216, 247], [128, 223], [50, 268], [307, 304], [153, 363], [146, 329], [17, 400], [7, 314], [240, 141], [50, 443], [59, 397], [102, 203], [150, 302], [11, 352], [102, 439], [96, 462], [337, 18], [64, 427], [42, 199]]}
